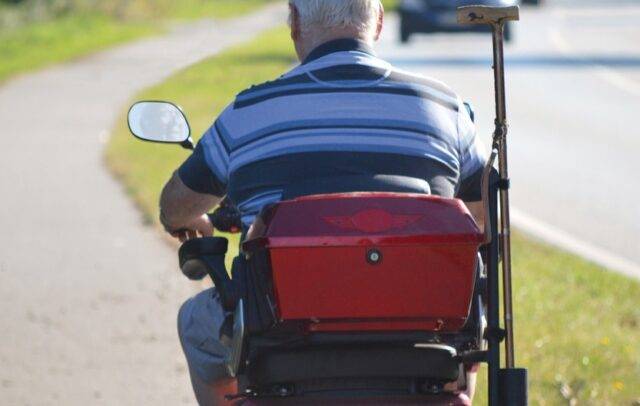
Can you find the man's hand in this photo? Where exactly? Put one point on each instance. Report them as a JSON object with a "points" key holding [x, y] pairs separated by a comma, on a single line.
{"points": [[200, 227], [185, 210]]}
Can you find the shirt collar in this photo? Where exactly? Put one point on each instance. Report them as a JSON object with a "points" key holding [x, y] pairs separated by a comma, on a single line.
{"points": [[339, 45]]}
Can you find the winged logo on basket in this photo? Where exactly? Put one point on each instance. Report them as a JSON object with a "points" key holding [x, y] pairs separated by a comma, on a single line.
{"points": [[373, 221]]}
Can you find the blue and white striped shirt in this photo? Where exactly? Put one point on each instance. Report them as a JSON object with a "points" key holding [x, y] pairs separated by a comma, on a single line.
{"points": [[343, 111]]}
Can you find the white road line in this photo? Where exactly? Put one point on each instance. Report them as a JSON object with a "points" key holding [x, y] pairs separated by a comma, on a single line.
{"points": [[564, 240], [605, 73], [618, 80]]}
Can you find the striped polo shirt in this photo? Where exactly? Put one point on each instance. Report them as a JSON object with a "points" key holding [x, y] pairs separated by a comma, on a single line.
{"points": [[342, 112]]}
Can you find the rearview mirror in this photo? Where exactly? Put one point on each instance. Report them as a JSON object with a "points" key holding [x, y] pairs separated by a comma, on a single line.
{"points": [[158, 121]]}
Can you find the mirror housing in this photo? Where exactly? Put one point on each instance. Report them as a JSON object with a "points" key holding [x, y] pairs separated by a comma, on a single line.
{"points": [[161, 122]]}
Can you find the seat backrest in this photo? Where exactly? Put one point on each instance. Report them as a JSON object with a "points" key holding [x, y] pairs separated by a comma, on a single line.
{"points": [[357, 183]]}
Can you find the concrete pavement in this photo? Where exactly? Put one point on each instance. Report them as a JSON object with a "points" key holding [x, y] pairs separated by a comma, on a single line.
{"points": [[88, 296], [573, 77]]}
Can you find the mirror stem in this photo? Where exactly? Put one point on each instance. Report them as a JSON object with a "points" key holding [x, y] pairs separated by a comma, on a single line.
{"points": [[188, 144]]}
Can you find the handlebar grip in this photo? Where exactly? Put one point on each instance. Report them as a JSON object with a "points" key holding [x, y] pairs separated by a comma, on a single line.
{"points": [[226, 218], [206, 256]]}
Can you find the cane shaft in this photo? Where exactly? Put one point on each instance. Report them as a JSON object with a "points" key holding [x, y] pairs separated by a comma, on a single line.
{"points": [[506, 260], [500, 141], [498, 70]]}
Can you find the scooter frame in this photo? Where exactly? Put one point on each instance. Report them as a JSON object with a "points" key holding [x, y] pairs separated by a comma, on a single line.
{"points": [[507, 386]]}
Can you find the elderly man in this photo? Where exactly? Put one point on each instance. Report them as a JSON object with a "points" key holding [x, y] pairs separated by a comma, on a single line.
{"points": [[342, 112]]}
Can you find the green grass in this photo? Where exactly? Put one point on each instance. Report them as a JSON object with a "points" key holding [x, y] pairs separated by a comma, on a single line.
{"points": [[577, 326], [84, 29], [193, 9], [40, 44], [390, 5]]}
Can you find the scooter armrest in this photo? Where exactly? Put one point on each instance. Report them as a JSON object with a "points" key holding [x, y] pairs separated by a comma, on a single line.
{"points": [[206, 256]]}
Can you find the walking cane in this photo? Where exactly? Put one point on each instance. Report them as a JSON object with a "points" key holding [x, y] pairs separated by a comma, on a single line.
{"points": [[512, 381]]}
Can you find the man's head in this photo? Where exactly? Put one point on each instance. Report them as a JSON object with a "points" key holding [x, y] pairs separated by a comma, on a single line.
{"points": [[314, 22]]}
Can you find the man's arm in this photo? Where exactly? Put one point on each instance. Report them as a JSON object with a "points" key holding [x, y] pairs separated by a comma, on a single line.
{"points": [[183, 211], [472, 164], [194, 189]]}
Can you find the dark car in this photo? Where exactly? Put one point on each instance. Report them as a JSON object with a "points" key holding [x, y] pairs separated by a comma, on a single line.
{"points": [[426, 16]]}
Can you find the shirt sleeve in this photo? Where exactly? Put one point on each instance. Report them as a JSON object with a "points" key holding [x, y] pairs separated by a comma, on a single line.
{"points": [[473, 158], [207, 169]]}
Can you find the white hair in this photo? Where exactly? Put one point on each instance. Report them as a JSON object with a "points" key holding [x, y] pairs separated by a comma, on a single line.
{"points": [[360, 15]]}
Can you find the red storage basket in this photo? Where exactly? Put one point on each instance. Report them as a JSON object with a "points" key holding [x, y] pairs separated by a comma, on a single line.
{"points": [[372, 261]]}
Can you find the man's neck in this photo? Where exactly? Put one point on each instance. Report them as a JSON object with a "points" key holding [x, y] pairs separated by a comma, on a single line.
{"points": [[317, 40]]}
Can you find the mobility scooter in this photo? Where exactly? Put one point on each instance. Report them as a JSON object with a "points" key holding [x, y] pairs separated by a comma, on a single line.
{"points": [[353, 291]]}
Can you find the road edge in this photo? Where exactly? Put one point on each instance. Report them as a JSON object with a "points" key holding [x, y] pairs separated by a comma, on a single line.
{"points": [[561, 239]]}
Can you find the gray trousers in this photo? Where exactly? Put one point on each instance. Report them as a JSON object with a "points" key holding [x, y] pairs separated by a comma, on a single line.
{"points": [[199, 322]]}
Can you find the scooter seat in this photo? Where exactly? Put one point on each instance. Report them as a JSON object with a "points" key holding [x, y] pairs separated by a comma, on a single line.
{"points": [[436, 363]]}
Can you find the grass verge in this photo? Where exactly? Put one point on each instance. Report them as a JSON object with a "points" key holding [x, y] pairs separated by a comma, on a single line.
{"points": [[79, 31], [578, 327], [194, 9]]}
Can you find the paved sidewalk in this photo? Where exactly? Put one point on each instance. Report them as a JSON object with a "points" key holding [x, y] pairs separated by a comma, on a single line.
{"points": [[88, 296]]}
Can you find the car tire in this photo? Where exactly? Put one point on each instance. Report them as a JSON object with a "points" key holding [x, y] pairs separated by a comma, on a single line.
{"points": [[405, 32], [404, 37]]}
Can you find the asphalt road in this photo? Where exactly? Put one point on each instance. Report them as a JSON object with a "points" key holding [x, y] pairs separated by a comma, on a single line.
{"points": [[573, 77], [88, 295]]}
